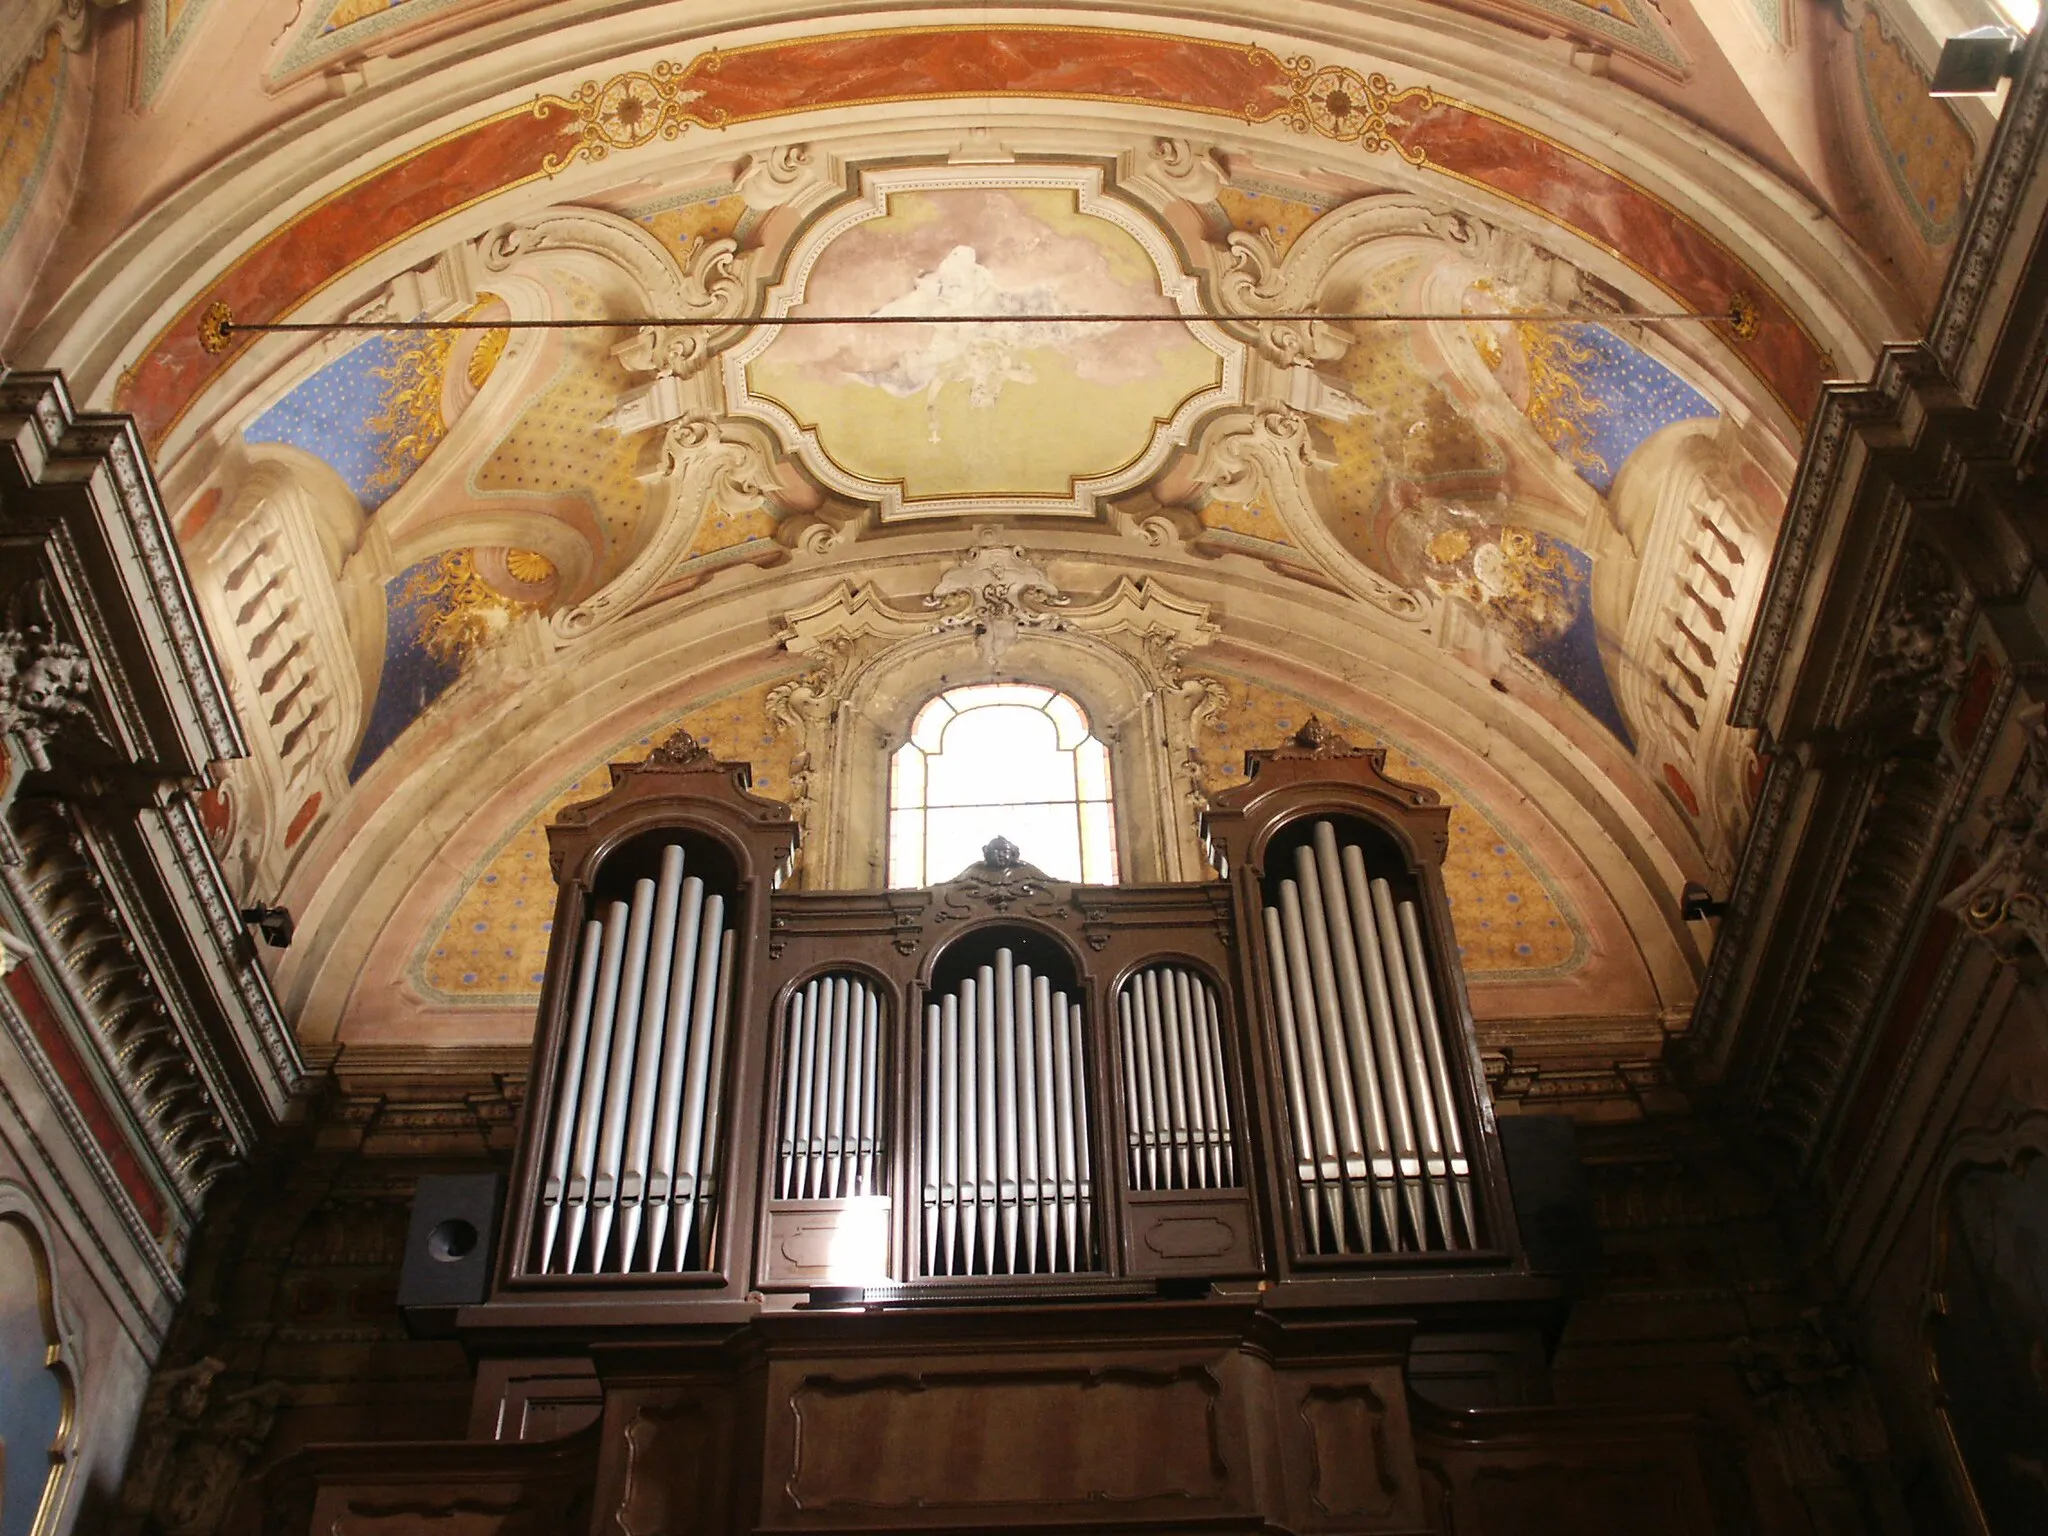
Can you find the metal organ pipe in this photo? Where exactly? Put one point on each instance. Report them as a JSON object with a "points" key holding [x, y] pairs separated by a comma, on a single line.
{"points": [[1378, 1134], [1006, 1178], [1176, 1094], [573, 1058], [654, 1013], [590, 1099], [634, 1147]]}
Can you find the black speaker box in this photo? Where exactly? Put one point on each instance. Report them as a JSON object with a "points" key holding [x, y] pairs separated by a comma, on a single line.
{"points": [[449, 1245], [1553, 1202]]}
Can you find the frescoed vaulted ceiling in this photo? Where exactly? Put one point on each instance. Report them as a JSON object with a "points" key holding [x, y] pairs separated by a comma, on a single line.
{"points": [[1506, 527]]}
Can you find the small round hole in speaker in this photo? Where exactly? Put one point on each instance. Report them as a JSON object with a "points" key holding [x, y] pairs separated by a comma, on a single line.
{"points": [[451, 1240]]}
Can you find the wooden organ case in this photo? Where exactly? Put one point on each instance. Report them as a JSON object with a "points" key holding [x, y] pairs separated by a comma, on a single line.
{"points": [[1006, 1202]]}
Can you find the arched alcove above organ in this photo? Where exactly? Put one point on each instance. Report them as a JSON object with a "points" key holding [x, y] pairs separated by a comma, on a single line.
{"points": [[1002, 1083]]}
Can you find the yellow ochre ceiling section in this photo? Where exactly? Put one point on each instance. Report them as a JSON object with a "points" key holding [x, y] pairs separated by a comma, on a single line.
{"points": [[561, 451], [1511, 920], [491, 943]]}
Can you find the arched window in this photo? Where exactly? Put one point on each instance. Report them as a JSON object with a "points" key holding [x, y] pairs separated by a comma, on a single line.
{"points": [[1000, 760]]}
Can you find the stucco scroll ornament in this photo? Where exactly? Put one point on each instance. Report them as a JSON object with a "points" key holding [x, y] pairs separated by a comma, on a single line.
{"points": [[2005, 903], [1185, 170], [706, 465], [1271, 451], [1245, 455], [45, 682], [1523, 268], [712, 288], [997, 593], [1252, 281], [778, 177]]}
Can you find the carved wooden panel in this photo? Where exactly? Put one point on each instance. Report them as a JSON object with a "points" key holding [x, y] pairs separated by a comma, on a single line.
{"points": [[460, 1488], [534, 1399], [813, 1242], [667, 1464], [1347, 1449], [1190, 1233], [1113, 1437], [454, 1514]]}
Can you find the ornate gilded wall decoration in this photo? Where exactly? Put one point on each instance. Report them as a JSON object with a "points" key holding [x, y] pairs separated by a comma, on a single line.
{"points": [[1559, 407], [440, 615], [1341, 104], [1592, 396], [410, 420], [483, 361], [1534, 590], [375, 414], [461, 613], [624, 112]]}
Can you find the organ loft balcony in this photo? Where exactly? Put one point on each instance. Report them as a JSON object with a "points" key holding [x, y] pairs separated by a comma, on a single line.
{"points": [[1008, 1200]]}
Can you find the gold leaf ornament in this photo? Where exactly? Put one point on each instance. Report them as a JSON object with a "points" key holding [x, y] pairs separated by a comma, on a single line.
{"points": [[213, 328], [529, 567], [1339, 103], [625, 112]]}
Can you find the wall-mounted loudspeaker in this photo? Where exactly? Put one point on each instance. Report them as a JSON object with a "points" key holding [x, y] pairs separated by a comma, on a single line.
{"points": [[449, 1245]]}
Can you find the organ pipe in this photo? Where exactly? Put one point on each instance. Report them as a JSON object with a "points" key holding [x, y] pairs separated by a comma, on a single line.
{"points": [[1007, 1186], [1176, 1097], [1379, 1144], [631, 1179], [831, 1140]]}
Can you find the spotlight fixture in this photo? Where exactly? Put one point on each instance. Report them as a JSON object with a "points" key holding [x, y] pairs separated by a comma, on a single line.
{"points": [[1973, 63], [274, 923], [1696, 902]]}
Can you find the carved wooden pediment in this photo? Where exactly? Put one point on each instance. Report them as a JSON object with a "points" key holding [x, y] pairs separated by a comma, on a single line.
{"points": [[1357, 777], [1001, 884], [679, 768]]}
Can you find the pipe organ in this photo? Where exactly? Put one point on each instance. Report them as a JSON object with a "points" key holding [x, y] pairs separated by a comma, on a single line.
{"points": [[1380, 1146], [632, 1185], [1006, 1182], [1003, 1203], [1176, 1090], [831, 1143], [1002, 1081]]}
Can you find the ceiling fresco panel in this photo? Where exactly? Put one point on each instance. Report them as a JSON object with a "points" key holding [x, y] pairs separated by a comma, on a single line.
{"points": [[1027, 414], [29, 123]]}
